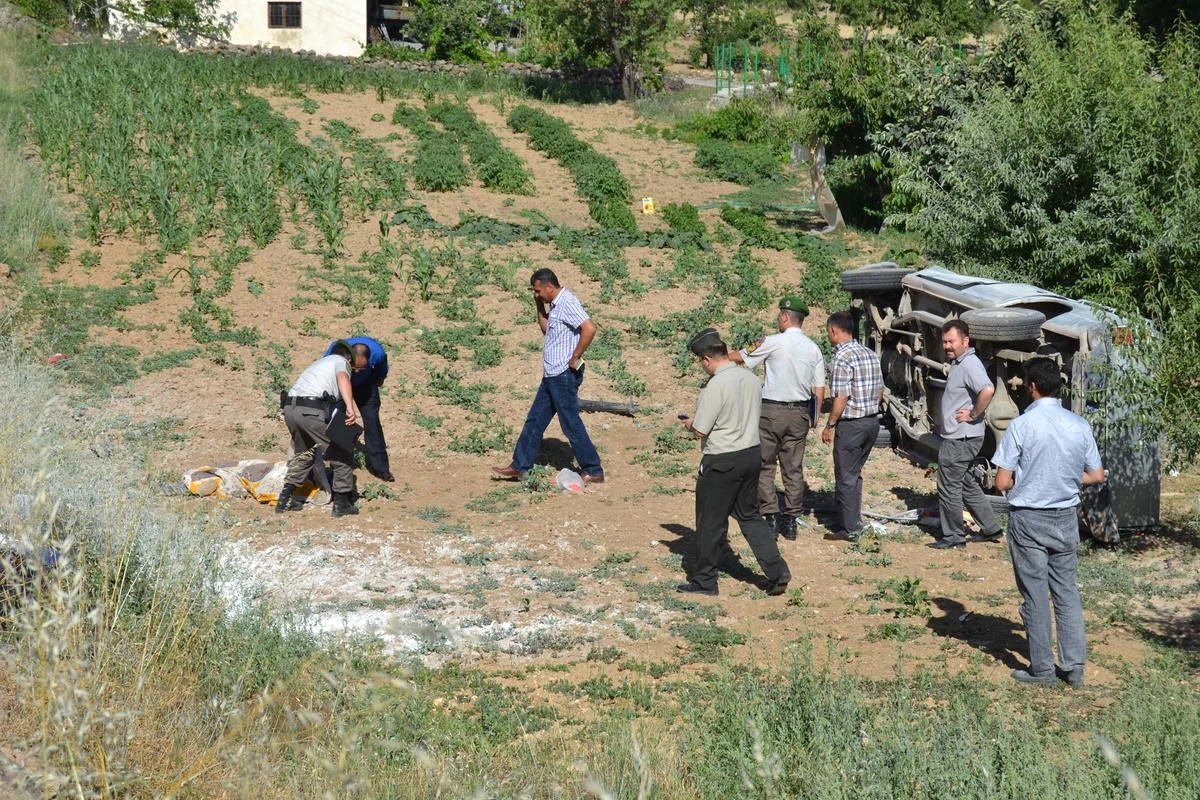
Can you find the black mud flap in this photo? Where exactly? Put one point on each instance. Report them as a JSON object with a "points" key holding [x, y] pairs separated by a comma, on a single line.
{"points": [[1096, 514]]}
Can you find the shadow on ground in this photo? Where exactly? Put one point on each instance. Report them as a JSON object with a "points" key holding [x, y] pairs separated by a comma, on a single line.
{"points": [[996, 636], [684, 545], [556, 453]]}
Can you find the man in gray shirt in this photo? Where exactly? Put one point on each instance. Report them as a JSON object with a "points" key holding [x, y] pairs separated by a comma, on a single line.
{"points": [[965, 399], [1046, 456], [726, 421]]}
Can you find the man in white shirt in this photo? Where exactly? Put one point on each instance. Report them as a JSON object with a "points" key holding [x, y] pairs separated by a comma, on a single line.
{"points": [[795, 378], [306, 410]]}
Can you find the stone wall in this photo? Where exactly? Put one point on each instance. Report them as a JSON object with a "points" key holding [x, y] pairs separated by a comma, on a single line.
{"points": [[516, 69]]}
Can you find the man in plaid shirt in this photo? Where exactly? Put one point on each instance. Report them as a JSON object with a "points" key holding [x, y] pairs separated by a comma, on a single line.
{"points": [[856, 385], [568, 331]]}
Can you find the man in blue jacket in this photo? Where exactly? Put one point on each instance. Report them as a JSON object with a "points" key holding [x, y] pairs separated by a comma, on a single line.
{"points": [[370, 368]]}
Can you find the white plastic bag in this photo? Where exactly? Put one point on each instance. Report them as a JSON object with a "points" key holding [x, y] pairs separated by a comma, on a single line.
{"points": [[569, 481]]}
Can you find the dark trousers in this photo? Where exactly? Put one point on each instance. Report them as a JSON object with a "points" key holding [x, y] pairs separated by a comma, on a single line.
{"points": [[783, 430], [728, 486], [852, 443], [558, 395], [374, 445], [307, 429], [957, 487]]}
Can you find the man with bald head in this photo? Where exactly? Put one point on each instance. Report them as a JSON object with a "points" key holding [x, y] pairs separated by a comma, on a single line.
{"points": [[369, 370]]}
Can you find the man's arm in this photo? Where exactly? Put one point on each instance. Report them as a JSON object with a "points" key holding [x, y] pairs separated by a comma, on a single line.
{"points": [[1094, 476], [587, 332], [381, 370], [543, 314], [736, 357], [982, 401], [347, 392], [819, 396], [1004, 479], [835, 413]]}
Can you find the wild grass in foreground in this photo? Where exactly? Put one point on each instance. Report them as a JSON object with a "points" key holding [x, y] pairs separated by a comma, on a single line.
{"points": [[138, 666]]}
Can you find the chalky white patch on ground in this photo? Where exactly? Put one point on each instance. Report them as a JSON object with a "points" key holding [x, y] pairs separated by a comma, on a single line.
{"points": [[337, 584]]}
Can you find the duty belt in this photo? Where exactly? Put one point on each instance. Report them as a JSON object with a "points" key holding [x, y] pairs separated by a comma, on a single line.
{"points": [[307, 402], [788, 403]]}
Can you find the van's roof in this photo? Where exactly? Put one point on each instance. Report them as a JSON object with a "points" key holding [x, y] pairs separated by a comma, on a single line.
{"points": [[1063, 315]]}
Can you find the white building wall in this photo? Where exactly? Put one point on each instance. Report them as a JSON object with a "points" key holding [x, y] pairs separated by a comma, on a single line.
{"points": [[328, 27]]}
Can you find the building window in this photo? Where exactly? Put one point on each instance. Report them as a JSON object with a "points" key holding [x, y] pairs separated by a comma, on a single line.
{"points": [[283, 15]]}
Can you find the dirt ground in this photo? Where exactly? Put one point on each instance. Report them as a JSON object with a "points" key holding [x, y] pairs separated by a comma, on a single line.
{"points": [[456, 566]]}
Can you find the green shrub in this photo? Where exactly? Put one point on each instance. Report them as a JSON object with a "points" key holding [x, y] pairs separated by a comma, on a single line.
{"points": [[438, 165], [683, 218], [497, 167], [597, 178], [746, 164]]}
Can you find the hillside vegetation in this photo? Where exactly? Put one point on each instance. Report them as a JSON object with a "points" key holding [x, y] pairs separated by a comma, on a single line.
{"points": [[190, 231]]}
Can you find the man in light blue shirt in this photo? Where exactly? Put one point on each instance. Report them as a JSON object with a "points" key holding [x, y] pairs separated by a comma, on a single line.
{"points": [[1046, 456]]}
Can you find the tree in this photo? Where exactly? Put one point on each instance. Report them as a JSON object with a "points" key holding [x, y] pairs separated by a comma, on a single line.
{"points": [[914, 19], [629, 36], [188, 21], [717, 21], [459, 30]]}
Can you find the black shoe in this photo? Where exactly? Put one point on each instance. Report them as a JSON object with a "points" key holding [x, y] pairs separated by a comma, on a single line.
{"points": [[842, 536], [787, 527], [285, 501], [988, 538], [942, 544], [776, 587], [691, 587], [773, 521], [1022, 676], [1072, 677], [343, 506], [386, 477]]}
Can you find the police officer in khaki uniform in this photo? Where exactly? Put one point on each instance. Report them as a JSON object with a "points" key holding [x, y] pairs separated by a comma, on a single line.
{"points": [[795, 378], [727, 417]]}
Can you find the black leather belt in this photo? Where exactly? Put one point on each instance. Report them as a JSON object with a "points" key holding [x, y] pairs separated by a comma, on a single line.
{"points": [[788, 403], [307, 402]]}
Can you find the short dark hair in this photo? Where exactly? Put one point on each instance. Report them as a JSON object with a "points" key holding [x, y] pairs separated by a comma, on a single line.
{"points": [[715, 350], [793, 316], [342, 348], [958, 326], [1045, 374], [544, 275], [842, 321]]}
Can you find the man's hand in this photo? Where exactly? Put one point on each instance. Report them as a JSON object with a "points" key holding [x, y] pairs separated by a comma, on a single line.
{"points": [[827, 436], [964, 415], [351, 417]]}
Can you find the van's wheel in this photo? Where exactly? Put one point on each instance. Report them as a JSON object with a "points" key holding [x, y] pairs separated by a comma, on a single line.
{"points": [[885, 276], [1004, 324], [883, 439]]}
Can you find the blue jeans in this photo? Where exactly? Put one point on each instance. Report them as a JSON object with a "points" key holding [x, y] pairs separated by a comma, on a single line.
{"points": [[557, 395], [374, 445], [1043, 543]]}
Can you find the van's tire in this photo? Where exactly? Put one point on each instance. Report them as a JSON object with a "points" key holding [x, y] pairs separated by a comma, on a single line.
{"points": [[883, 439], [1004, 324], [883, 277]]}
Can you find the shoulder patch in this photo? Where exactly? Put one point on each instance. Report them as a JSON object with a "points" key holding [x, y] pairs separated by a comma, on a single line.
{"points": [[756, 345]]}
